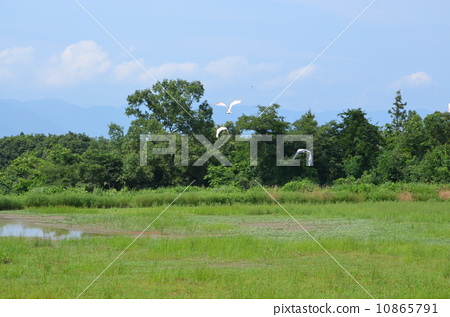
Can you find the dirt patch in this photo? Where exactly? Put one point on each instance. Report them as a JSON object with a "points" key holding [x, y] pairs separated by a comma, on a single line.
{"points": [[287, 226], [444, 194], [232, 264], [405, 196]]}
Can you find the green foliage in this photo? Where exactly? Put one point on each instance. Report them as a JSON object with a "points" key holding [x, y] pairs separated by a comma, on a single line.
{"points": [[170, 103], [345, 190], [301, 186], [100, 169], [437, 127], [435, 166], [398, 114], [307, 124], [10, 203], [360, 141], [266, 121], [350, 153]]}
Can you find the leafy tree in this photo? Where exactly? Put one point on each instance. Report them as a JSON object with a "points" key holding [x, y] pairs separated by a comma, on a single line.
{"points": [[14, 146], [398, 114], [360, 141], [168, 107], [100, 169], [23, 174], [328, 156], [307, 124], [60, 167], [414, 139], [134, 175], [266, 121], [435, 166], [437, 127], [77, 143], [392, 165], [170, 102], [116, 135]]}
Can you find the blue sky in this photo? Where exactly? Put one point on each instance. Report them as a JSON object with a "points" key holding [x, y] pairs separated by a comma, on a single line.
{"points": [[249, 50]]}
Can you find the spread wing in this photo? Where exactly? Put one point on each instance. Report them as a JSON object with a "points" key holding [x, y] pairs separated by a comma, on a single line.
{"points": [[234, 103], [310, 161], [299, 151], [221, 104], [220, 130]]}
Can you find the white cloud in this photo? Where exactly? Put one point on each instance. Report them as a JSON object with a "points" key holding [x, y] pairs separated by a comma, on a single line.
{"points": [[286, 79], [229, 66], [127, 70], [131, 71], [11, 58], [78, 62], [16, 55], [417, 79], [168, 70]]}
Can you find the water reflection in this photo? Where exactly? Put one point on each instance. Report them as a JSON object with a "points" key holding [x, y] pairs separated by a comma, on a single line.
{"points": [[29, 230]]}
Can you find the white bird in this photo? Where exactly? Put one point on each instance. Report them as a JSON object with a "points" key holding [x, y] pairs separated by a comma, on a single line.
{"points": [[308, 153], [449, 107], [231, 105], [220, 130]]}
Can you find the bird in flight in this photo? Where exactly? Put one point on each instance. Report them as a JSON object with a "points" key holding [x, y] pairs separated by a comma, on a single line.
{"points": [[308, 154], [220, 130], [231, 105]]}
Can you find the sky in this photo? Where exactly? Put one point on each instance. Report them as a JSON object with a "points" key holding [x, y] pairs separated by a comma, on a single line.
{"points": [[252, 50]]}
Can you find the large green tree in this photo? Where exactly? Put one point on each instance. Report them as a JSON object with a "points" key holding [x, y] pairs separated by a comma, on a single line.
{"points": [[306, 124], [170, 107], [171, 104], [266, 122], [360, 142]]}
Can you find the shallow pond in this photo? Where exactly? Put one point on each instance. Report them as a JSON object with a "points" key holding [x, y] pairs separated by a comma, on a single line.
{"points": [[18, 228]]}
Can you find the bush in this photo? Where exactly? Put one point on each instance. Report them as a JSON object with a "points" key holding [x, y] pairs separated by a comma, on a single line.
{"points": [[346, 196], [302, 186], [381, 194], [36, 200], [421, 191], [10, 203]]}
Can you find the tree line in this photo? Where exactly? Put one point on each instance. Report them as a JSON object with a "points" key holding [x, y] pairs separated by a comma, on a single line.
{"points": [[348, 149]]}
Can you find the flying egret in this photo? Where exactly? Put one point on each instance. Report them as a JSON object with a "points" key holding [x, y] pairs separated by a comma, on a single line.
{"points": [[308, 153], [231, 105], [220, 130]]}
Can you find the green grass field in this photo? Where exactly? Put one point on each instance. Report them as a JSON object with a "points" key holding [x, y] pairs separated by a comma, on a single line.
{"points": [[393, 249]]}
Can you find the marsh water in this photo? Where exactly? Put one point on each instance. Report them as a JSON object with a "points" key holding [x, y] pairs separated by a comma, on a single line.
{"points": [[20, 228]]}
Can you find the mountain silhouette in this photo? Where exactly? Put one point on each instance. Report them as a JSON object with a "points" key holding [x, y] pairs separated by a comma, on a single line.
{"points": [[55, 116]]}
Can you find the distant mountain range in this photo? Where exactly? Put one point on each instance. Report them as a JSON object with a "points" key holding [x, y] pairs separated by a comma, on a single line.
{"points": [[55, 116]]}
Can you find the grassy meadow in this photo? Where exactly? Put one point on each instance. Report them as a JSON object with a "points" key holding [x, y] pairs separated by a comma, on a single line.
{"points": [[394, 249]]}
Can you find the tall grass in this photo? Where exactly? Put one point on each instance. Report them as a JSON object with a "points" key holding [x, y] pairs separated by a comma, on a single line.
{"points": [[295, 192], [10, 203]]}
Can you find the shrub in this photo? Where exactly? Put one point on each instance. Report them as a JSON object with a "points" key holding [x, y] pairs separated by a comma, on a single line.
{"points": [[302, 186], [10, 203], [36, 200], [421, 191], [346, 196], [381, 194]]}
